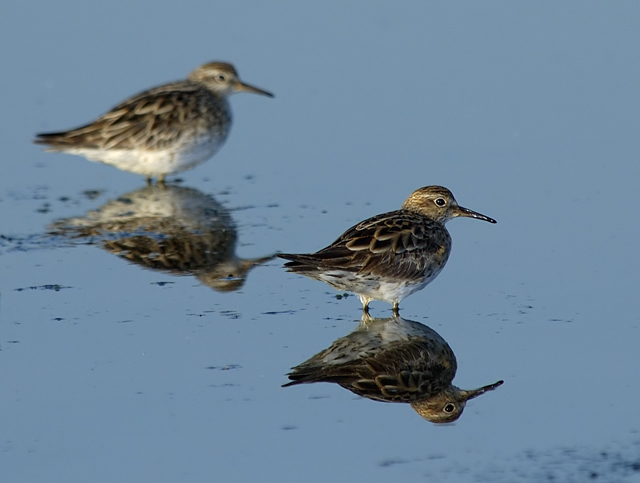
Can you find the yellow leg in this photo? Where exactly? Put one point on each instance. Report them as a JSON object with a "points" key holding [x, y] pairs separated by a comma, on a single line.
{"points": [[366, 317], [365, 303]]}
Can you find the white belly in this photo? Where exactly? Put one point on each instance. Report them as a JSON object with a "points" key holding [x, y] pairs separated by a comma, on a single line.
{"points": [[154, 163], [372, 288]]}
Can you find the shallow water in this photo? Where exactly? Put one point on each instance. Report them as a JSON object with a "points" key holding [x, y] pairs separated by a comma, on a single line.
{"points": [[528, 113]]}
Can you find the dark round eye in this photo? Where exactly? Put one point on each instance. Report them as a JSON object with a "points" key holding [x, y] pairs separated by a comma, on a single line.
{"points": [[449, 408], [441, 201], [221, 78]]}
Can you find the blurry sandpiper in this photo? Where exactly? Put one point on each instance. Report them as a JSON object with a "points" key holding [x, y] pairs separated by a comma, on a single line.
{"points": [[164, 130], [390, 256], [393, 360], [173, 229]]}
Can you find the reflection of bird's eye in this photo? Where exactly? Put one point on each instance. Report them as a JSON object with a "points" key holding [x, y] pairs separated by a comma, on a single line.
{"points": [[449, 408], [441, 202]]}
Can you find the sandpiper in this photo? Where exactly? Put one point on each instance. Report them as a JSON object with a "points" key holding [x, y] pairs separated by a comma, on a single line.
{"points": [[172, 229], [393, 360], [164, 130], [390, 256]]}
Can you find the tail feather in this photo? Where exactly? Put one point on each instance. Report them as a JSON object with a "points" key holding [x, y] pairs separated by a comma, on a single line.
{"points": [[299, 261], [309, 375], [83, 136], [49, 138], [318, 261], [292, 383]]}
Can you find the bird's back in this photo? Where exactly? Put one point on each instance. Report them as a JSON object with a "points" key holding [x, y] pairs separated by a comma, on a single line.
{"points": [[398, 244], [155, 119]]}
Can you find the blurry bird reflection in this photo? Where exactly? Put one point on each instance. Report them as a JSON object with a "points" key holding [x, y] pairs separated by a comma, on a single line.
{"points": [[393, 360], [168, 228]]}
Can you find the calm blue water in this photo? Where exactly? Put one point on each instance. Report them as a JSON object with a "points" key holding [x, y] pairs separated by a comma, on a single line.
{"points": [[528, 112]]}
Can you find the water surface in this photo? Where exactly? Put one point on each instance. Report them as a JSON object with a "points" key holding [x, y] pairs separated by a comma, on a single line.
{"points": [[527, 112]]}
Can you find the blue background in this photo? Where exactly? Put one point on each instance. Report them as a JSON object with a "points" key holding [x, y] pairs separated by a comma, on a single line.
{"points": [[527, 111]]}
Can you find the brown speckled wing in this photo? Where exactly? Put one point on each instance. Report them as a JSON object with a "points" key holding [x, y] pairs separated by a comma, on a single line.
{"points": [[151, 120], [399, 244], [402, 372], [158, 243], [402, 375]]}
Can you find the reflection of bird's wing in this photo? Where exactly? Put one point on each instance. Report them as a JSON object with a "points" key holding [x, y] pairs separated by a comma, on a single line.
{"points": [[169, 228], [402, 371], [173, 249], [152, 120], [405, 373], [396, 244]]}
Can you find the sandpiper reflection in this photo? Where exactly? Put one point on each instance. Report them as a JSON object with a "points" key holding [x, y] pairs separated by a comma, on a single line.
{"points": [[393, 360], [168, 228]]}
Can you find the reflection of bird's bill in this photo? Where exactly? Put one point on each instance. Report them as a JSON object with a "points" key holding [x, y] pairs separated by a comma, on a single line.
{"points": [[242, 87], [231, 274], [473, 393], [461, 211]]}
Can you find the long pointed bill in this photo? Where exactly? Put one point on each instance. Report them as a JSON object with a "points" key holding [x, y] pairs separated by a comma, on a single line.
{"points": [[242, 87], [473, 393], [461, 211]]}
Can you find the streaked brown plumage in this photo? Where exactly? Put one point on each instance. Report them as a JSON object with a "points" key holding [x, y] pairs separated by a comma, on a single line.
{"points": [[389, 256], [167, 228], [163, 130], [393, 360]]}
